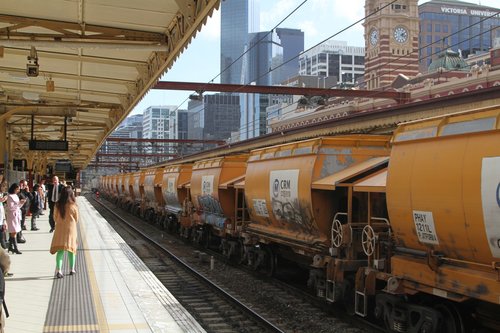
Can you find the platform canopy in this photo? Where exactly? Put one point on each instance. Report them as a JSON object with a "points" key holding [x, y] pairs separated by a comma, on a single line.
{"points": [[74, 69]]}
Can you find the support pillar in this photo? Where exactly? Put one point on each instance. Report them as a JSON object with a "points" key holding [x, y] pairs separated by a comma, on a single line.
{"points": [[30, 159], [4, 157]]}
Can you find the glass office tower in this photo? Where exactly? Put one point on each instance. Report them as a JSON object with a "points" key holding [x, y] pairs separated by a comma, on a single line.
{"points": [[238, 18], [292, 41]]}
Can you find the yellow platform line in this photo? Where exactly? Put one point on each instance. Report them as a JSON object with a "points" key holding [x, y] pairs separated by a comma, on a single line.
{"points": [[101, 315], [70, 328]]}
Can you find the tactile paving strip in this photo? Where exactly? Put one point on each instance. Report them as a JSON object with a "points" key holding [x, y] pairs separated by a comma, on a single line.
{"points": [[71, 306]]}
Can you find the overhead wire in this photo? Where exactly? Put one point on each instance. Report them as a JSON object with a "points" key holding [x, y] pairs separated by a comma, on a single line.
{"points": [[319, 43], [435, 42], [241, 56], [400, 57], [248, 50], [323, 41], [422, 48]]}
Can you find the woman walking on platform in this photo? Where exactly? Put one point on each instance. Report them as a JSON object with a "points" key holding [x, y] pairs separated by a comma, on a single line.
{"points": [[65, 233], [3, 226], [13, 216]]}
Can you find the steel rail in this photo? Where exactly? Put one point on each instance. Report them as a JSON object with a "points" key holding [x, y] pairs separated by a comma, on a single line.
{"points": [[222, 292]]}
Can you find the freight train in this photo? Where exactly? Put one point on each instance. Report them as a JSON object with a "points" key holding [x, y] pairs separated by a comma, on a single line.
{"points": [[405, 229]]}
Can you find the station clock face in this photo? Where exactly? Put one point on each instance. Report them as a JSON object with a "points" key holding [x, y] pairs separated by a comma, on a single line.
{"points": [[400, 34], [374, 36]]}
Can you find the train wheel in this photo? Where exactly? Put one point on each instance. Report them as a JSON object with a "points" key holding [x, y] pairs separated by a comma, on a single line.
{"points": [[238, 252], [368, 240], [270, 261], [336, 233], [452, 320], [207, 238]]}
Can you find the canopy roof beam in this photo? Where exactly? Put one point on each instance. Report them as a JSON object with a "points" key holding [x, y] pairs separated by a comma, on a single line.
{"points": [[62, 30]]}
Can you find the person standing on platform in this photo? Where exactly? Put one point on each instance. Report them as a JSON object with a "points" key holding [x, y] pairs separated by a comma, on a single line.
{"points": [[24, 193], [55, 190], [3, 226], [36, 206], [13, 216], [44, 195], [65, 234]]}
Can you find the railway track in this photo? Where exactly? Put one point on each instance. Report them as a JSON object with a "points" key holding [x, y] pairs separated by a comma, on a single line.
{"points": [[221, 297]]}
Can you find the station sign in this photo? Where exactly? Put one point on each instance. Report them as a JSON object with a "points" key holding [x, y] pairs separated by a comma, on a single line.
{"points": [[55, 145]]}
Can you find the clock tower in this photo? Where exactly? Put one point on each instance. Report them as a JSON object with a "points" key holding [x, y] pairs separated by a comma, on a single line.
{"points": [[391, 41]]}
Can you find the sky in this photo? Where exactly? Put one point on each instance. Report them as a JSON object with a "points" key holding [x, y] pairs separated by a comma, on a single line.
{"points": [[319, 19]]}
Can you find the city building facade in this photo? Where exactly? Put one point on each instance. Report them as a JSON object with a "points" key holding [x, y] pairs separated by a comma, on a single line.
{"points": [[131, 127], [214, 118], [333, 59], [461, 26], [155, 122], [391, 40]]}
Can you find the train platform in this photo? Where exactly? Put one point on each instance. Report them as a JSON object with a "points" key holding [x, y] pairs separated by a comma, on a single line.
{"points": [[112, 291]]}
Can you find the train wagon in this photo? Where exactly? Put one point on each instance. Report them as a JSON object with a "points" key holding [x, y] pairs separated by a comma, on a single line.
{"points": [[443, 199], [215, 203], [121, 190], [178, 206], [405, 230], [126, 199], [104, 185], [137, 191], [153, 208], [114, 188], [295, 194]]}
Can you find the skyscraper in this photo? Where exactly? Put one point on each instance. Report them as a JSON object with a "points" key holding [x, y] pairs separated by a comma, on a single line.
{"points": [[214, 118], [264, 53], [238, 19], [292, 41]]}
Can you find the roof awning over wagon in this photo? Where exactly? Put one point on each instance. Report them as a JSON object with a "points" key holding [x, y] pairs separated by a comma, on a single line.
{"points": [[330, 182]]}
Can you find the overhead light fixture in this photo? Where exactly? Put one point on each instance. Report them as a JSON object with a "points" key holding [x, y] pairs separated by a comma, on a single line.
{"points": [[32, 64], [31, 96], [49, 85]]}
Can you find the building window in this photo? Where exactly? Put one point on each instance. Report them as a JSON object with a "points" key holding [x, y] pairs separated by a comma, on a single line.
{"points": [[346, 59]]}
